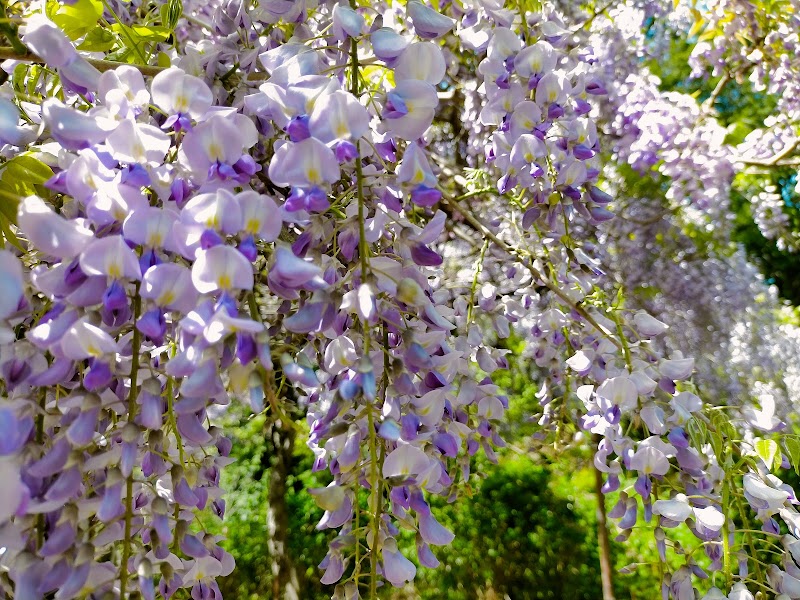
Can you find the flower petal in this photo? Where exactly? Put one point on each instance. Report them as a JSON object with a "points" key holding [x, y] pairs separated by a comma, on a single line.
{"points": [[422, 61], [51, 233], [221, 268], [112, 257]]}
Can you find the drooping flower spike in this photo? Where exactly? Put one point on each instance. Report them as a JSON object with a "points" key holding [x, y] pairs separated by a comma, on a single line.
{"points": [[198, 218]]}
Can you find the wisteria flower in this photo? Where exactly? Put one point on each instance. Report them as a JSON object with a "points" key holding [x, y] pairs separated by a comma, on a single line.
{"points": [[181, 96]]}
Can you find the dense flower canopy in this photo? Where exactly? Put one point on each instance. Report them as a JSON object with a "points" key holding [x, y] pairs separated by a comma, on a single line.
{"points": [[266, 203]]}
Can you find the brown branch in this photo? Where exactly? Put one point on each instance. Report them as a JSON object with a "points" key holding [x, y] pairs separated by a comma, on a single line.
{"points": [[484, 230], [8, 53], [603, 540], [650, 221], [773, 161], [596, 13], [709, 102]]}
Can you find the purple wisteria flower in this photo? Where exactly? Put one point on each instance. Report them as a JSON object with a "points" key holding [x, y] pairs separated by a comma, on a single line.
{"points": [[289, 183]]}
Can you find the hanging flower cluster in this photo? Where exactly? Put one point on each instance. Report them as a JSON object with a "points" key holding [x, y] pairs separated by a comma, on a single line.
{"points": [[144, 310], [652, 420], [683, 153], [271, 210], [749, 43]]}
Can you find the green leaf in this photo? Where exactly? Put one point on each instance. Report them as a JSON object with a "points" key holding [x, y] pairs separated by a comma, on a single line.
{"points": [[135, 37], [769, 452], [76, 19], [21, 176], [8, 204], [8, 235], [717, 443], [708, 35], [699, 23], [98, 40], [792, 445], [722, 424], [736, 133], [142, 33], [27, 169], [698, 432], [171, 13], [532, 6], [19, 76]]}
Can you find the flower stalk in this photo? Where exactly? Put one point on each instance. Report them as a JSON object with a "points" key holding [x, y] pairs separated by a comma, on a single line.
{"points": [[132, 404]]}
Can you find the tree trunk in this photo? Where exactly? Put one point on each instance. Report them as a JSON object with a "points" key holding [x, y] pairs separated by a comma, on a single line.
{"points": [[285, 583], [603, 542]]}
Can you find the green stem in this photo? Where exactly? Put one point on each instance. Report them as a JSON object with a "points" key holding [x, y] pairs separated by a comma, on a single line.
{"points": [[126, 542], [748, 533], [253, 306], [626, 351], [40, 522], [9, 29], [173, 422], [356, 530], [267, 381], [523, 15], [726, 538], [474, 193], [474, 288], [376, 489]]}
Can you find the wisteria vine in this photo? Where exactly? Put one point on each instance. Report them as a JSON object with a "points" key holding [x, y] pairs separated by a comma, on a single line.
{"points": [[220, 202]]}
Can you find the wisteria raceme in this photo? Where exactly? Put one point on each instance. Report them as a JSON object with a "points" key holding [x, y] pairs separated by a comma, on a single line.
{"points": [[645, 224], [697, 161], [763, 54], [279, 207]]}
